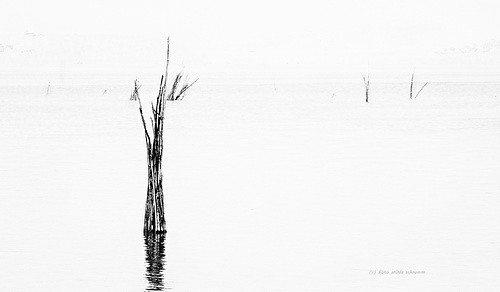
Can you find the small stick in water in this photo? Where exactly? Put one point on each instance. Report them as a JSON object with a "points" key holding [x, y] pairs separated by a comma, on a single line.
{"points": [[135, 93], [366, 80]]}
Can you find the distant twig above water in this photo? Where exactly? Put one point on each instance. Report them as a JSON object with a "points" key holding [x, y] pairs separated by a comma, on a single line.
{"points": [[366, 80], [411, 86], [135, 92]]}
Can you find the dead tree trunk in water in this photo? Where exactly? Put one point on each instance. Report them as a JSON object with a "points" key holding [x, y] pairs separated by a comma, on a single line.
{"points": [[154, 217]]}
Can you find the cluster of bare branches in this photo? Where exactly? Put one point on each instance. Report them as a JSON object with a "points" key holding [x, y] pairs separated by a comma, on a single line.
{"points": [[175, 92], [154, 218]]}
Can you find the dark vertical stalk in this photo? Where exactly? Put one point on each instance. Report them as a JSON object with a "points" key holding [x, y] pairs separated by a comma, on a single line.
{"points": [[411, 85], [366, 80]]}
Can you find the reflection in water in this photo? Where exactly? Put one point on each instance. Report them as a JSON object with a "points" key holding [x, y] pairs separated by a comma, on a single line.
{"points": [[155, 260]]}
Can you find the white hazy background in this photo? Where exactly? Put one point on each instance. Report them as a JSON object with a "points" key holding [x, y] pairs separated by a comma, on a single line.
{"points": [[258, 36], [271, 184]]}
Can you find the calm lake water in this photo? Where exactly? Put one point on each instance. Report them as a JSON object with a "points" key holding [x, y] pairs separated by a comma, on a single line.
{"points": [[270, 185]]}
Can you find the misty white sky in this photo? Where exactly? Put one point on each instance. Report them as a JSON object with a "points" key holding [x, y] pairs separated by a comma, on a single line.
{"points": [[253, 36]]}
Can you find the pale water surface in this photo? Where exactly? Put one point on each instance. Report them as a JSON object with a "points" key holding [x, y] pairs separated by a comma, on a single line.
{"points": [[271, 185]]}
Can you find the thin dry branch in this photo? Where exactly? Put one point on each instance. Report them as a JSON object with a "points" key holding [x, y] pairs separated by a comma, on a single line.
{"points": [[184, 88], [148, 139], [421, 89], [411, 85], [135, 93]]}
